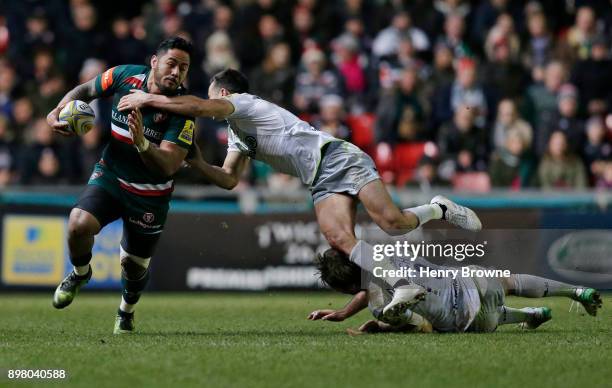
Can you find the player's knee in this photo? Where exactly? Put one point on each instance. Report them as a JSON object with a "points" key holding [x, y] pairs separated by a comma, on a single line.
{"points": [[82, 224], [133, 267], [340, 240]]}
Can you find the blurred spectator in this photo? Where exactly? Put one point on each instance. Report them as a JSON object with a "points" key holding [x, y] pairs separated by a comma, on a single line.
{"points": [[512, 165], [354, 27], [252, 50], [464, 91], [352, 69], [578, 40], [539, 46], [502, 73], [454, 30], [565, 119], [401, 112], [387, 40], [85, 41], [391, 66], [597, 147], [426, 174], [509, 123], [37, 36], [23, 116], [503, 35], [442, 72], [219, 54], [8, 153], [445, 8], [593, 77], [331, 117], [485, 16], [275, 78], [313, 82], [462, 144], [541, 100], [126, 48], [303, 35], [559, 168], [44, 160]]}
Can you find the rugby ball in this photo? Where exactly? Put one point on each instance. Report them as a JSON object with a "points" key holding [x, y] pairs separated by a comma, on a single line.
{"points": [[79, 116]]}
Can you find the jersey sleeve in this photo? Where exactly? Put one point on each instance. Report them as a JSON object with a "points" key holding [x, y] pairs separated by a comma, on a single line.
{"points": [[242, 105], [107, 82], [181, 131]]}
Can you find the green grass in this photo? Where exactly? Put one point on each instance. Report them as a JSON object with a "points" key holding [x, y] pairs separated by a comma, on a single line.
{"points": [[264, 340]]}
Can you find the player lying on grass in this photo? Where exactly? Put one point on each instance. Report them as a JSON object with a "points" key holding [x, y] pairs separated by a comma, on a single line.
{"points": [[133, 180], [471, 304], [338, 173]]}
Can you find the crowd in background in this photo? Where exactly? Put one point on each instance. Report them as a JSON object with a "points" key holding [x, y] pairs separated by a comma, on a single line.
{"points": [[474, 94]]}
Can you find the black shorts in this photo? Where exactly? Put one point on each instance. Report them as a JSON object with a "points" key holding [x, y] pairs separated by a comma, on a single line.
{"points": [[98, 202]]}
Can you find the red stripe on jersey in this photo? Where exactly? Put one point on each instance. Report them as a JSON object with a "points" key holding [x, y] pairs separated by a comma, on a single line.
{"points": [[122, 138], [146, 193]]}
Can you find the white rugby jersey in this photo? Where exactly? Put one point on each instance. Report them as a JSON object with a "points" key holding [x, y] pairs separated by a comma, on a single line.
{"points": [[449, 305], [268, 133]]}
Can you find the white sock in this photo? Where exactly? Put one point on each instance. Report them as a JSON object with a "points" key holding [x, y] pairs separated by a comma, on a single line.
{"points": [[126, 307], [426, 213], [81, 270], [363, 255]]}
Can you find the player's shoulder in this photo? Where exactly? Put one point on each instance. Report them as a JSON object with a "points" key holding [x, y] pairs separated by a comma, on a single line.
{"points": [[134, 75]]}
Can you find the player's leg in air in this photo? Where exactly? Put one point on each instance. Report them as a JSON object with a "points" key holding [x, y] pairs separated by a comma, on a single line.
{"points": [[95, 209], [347, 175]]}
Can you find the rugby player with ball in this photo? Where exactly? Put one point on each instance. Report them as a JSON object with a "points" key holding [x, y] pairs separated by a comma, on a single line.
{"points": [[133, 180]]}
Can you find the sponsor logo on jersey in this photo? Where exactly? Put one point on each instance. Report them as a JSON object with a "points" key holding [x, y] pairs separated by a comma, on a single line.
{"points": [[152, 133], [148, 217], [186, 134], [107, 78]]}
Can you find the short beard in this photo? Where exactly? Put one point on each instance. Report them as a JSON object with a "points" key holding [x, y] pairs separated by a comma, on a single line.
{"points": [[162, 89]]}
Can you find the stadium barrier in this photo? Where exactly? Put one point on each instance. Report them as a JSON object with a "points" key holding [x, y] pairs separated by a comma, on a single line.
{"points": [[257, 240]]}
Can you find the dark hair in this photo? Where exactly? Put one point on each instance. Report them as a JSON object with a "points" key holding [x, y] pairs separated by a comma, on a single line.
{"points": [[337, 271], [174, 43], [232, 80]]}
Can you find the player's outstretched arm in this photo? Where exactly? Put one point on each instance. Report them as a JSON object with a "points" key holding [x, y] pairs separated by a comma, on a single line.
{"points": [[226, 176], [84, 92], [217, 108], [376, 326], [358, 303], [167, 158]]}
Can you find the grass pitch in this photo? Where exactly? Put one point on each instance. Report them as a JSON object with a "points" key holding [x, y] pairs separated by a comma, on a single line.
{"points": [[264, 340]]}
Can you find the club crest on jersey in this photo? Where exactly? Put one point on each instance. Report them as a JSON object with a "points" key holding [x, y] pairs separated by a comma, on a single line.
{"points": [[148, 217], [159, 117], [135, 81]]}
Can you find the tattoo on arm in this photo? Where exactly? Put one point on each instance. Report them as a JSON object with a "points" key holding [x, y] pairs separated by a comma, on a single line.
{"points": [[84, 92]]}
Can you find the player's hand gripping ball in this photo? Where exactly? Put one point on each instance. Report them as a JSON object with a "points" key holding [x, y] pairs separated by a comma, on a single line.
{"points": [[79, 116]]}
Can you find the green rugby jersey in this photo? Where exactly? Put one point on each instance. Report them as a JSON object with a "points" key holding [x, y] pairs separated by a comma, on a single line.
{"points": [[120, 155]]}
